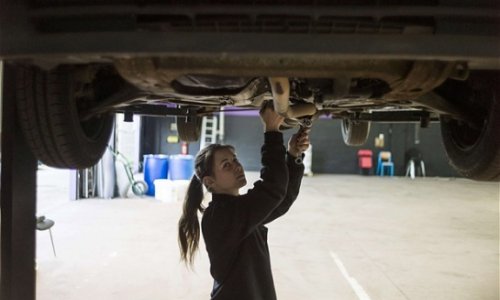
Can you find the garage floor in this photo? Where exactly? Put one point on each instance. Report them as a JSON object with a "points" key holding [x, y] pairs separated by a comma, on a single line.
{"points": [[347, 237]]}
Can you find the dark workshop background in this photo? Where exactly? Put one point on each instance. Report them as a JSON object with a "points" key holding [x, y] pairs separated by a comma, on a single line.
{"points": [[330, 154]]}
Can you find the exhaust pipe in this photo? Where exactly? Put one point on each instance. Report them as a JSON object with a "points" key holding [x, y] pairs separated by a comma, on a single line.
{"points": [[280, 87]]}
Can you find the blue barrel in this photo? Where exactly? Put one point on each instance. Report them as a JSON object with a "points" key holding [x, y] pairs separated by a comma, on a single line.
{"points": [[155, 167], [181, 167]]}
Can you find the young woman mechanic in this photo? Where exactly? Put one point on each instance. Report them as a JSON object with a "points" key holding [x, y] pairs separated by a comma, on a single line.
{"points": [[233, 224]]}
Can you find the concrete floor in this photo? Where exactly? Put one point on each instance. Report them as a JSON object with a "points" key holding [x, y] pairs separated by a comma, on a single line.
{"points": [[347, 237]]}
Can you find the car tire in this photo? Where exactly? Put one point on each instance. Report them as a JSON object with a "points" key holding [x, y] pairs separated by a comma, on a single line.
{"points": [[49, 117], [355, 133], [475, 153], [189, 128]]}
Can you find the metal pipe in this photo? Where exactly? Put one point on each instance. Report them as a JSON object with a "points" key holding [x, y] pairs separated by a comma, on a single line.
{"points": [[280, 87], [301, 110]]}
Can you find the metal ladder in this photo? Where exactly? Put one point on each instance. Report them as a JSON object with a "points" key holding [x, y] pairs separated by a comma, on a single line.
{"points": [[208, 131], [212, 130]]}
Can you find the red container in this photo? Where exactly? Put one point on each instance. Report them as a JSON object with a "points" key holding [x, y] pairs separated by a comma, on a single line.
{"points": [[365, 158]]}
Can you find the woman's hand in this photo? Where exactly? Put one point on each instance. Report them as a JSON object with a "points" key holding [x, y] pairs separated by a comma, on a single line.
{"points": [[270, 118], [299, 142]]}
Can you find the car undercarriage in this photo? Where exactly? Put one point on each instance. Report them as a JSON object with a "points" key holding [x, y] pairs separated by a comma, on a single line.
{"points": [[373, 62]]}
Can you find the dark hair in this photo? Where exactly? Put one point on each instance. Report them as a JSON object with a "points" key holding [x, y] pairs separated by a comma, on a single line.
{"points": [[189, 226]]}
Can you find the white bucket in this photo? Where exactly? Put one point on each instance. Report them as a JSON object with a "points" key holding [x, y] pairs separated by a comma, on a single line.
{"points": [[165, 190], [181, 187]]}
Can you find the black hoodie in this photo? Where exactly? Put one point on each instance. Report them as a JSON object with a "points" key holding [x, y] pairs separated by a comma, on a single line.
{"points": [[233, 226]]}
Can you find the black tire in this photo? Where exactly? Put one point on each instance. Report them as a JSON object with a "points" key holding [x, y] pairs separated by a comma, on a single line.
{"points": [[355, 133], [189, 128], [475, 153], [49, 117]]}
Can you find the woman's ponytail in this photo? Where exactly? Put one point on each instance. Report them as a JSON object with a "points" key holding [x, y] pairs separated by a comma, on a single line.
{"points": [[189, 226]]}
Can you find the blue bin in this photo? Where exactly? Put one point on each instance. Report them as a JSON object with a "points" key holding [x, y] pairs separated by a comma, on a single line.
{"points": [[155, 167], [181, 167]]}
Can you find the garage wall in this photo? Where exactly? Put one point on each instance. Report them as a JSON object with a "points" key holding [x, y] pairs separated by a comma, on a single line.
{"points": [[330, 154], [154, 134]]}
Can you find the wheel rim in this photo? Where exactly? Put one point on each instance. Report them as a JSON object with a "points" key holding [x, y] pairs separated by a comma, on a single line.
{"points": [[87, 94], [464, 136], [346, 125], [93, 127]]}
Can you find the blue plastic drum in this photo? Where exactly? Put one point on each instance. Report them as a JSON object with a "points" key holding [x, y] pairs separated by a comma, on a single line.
{"points": [[181, 167], [155, 167]]}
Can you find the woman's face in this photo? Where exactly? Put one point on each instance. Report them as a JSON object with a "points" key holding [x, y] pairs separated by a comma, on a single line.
{"points": [[228, 175]]}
